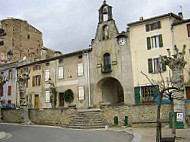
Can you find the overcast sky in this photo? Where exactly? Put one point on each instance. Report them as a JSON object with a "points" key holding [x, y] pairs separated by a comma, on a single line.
{"points": [[69, 25]]}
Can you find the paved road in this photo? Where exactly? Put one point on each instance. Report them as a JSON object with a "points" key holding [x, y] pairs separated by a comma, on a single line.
{"points": [[51, 134]]}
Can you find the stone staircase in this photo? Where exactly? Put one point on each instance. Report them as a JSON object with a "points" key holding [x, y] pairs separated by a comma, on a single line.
{"points": [[87, 119]]}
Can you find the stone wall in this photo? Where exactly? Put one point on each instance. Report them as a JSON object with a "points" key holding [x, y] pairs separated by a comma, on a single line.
{"points": [[138, 115], [12, 115], [52, 116]]}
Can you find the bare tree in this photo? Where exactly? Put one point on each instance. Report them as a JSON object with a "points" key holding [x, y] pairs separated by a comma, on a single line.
{"points": [[172, 87]]}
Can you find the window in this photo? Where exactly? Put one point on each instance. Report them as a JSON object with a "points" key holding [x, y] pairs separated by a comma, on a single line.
{"points": [[9, 90], [47, 96], [1, 91], [9, 102], [81, 93], [28, 36], [105, 32], [60, 60], [155, 65], [80, 57], [147, 94], [46, 75], [10, 74], [36, 80], [153, 26], [154, 42], [25, 69], [188, 30], [60, 73], [80, 69], [47, 64], [36, 67], [1, 43], [107, 62]]}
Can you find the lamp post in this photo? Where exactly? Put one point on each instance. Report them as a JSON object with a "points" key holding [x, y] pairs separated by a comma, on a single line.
{"points": [[9, 55], [22, 78]]}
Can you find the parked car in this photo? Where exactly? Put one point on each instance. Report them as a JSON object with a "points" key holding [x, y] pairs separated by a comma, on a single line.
{"points": [[165, 100], [8, 106]]}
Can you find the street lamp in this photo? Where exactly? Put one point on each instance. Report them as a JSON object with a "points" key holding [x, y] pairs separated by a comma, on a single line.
{"points": [[9, 55]]}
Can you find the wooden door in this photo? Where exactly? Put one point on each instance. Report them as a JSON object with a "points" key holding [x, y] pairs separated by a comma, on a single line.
{"points": [[61, 99], [36, 103], [188, 93]]}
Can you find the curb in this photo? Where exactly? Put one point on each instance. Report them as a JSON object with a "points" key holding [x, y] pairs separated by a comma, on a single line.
{"points": [[3, 135]]}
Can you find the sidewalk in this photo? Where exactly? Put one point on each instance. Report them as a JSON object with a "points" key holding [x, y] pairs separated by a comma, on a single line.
{"points": [[149, 134]]}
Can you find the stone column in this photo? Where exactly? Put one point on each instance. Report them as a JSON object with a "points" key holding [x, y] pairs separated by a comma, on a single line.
{"points": [[23, 103]]}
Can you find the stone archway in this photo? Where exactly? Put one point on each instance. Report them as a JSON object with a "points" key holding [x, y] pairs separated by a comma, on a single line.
{"points": [[109, 90]]}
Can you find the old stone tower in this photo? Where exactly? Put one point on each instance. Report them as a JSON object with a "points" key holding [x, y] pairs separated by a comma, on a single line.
{"points": [[110, 60]]}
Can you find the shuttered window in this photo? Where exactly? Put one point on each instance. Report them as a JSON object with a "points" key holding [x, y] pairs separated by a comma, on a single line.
{"points": [[154, 42], [188, 30], [155, 65], [46, 75], [9, 90], [80, 69], [153, 26], [36, 80], [81, 93], [60, 73], [47, 96]]}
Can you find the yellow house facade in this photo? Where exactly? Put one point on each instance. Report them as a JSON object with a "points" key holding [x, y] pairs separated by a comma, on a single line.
{"points": [[150, 38]]}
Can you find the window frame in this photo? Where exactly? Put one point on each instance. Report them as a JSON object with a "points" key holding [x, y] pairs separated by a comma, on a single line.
{"points": [[47, 96], [60, 76], [80, 69]]}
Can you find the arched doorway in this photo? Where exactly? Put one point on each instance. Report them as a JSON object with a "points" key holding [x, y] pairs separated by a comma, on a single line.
{"points": [[110, 91]]}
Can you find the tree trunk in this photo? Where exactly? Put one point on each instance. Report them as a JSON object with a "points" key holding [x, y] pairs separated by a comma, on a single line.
{"points": [[173, 117]]}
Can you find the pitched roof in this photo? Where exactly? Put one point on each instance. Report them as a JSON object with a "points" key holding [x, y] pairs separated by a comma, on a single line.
{"points": [[156, 17]]}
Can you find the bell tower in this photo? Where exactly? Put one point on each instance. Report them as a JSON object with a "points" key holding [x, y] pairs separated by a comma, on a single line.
{"points": [[105, 12]]}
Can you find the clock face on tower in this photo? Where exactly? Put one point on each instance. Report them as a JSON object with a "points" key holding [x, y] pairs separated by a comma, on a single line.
{"points": [[122, 41]]}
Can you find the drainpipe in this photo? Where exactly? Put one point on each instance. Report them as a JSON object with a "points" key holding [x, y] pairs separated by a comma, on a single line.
{"points": [[88, 78], [171, 28]]}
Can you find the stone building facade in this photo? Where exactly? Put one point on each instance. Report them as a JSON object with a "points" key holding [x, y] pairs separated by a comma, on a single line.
{"points": [[20, 39], [110, 63], [68, 71]]}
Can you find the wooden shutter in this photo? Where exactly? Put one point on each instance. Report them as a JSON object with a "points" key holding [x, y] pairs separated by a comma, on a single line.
{"points": [[148, 43], [159, 24], [34, 68], [147, 28], [9, 90], [163, 67], [160, 41], [150, 67], [188, 30], [33, 81], [155, 91], [27, 83], [1, 93], [39, 67], [39, 80], [137, 95], [80, 69]]}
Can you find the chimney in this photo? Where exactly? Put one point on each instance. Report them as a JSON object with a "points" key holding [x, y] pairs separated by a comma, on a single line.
{"points": [[141, 18], [180, 14]]}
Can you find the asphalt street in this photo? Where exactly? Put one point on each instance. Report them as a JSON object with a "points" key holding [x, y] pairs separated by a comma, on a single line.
{"points": [[19, 133]]}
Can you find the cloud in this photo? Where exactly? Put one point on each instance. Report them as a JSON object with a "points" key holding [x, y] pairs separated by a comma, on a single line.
{"points": [[69, 25]]}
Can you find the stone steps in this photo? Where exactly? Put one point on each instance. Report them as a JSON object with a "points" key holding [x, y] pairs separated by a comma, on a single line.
{"points": [[87, 119]]}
